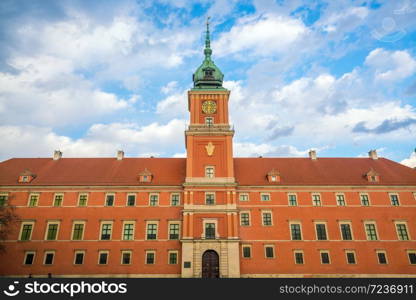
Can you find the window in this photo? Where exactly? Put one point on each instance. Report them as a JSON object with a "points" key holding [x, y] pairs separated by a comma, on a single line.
{"points": [[106, 231], [209, 121], [150, 257], [246, 251], [321, 232], [265, 197], [82, 200], [52, 231], [131, 200], [174, 231], [173, 257], [371, 232], [340, 199], [209, 198], [3, 200], [151, 231], [125, 257], [402, 234], [48, 260], [78, 231], [394, 198], [245, 219], [57, 201], [128, 231], [350, 257], [243, 197], [325, 257], [292, 200], [209, 172], [269, 251], [26, 231], [298, 257], [102, 257], [79, 257], [153, 199], [364, 200], [296, 232], [210, 230], [267, 218], [316, 200], [109, 200], [174, 199], [346, 233], [29, 258], [33, 200], [412, 257], [25, 179], [381, 257]]}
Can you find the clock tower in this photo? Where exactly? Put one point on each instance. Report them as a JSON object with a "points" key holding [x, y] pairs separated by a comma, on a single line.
{"points": [[210, 239]]}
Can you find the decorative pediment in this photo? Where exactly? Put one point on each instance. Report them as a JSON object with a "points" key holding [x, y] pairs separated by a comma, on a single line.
{"points": [[273, 176], [26, 176], [145, 176], [372, 176]]}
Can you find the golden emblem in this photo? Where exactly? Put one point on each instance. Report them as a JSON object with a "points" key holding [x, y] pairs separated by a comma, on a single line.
{"points": [[210, 148], [209, 107]]}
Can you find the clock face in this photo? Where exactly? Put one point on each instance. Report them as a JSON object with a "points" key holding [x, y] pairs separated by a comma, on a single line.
{"points": [[209, 107]]}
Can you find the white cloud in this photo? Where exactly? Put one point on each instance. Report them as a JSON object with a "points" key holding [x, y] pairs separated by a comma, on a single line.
{"points": [[174, 105], [411, 161], [343, 20], [252, 149]]}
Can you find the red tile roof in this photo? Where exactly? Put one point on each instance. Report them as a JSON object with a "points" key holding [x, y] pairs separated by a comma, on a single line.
{"points": [[171, 171]]}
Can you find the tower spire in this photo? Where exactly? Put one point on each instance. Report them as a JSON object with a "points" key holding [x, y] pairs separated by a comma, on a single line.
{"points": [[207, 50]]}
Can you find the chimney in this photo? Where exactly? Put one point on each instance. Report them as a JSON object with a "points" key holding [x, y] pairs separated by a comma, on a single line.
{"points": [[120, 154], [57, 154], [373, 154], [312, 154]]}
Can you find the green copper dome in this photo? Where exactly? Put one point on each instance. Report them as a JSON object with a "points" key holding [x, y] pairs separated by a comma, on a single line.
{"points": [[208, 75]]}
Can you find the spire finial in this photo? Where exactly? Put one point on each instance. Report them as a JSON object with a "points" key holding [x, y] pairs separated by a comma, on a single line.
{"points": [[207, 50]]}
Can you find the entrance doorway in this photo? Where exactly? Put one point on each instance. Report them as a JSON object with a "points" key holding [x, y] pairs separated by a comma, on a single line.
{"points": [[210, 264]]}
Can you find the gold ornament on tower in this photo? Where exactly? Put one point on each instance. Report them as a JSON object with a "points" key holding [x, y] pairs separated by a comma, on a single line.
{"points": [[210, 149]]}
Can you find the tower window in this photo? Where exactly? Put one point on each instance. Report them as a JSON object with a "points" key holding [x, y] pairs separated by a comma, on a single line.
{"points": [[209, 198], [209, 172], [209, 121]]}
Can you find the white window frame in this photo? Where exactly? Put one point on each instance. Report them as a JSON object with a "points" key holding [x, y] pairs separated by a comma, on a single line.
{"points": [[7, 198], [79, 199], [208, 220], [157, 230], [249, 218], [408, 252], [300, 227], [31, 231], [326, 230], [320, 199], [265, 194], [174, 222], [407, 230], [52, 222], [345, 199], [368, 197], [385, 255], [102, 223], [45, 254], [121, 257], [265, 253], [262, 217], [25, 256], [398, 199], [375, 228], [154, 257], [208, 175], [242, 251], [157, 202], [329, 257], [75, 257], [303, 257], [355, 257], [83, 229], [210, 193], [171, 198], [243, 194], [108, 257], [135, 199], [211, 121], [131, 222], [37, 195], [114, 199], [288, 199], [177, 256], [54, 199], [340, 230]]}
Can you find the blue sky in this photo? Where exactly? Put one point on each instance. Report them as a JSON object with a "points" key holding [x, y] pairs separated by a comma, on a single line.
{"points": [[92, 77]]}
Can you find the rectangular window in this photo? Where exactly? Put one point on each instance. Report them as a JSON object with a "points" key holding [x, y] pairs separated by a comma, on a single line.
{"points": [[269, 251], [292, 200], [265, 197], [52, 231], [209, 172], [412, 257], [109, 200], [3, 200], [125, 257], [48, 260], [174, 199], [128, 231], [381, 257], [33, 200], [350, 257], [131, 200], [82, 200], [364, 200], [243, 197], [402, 234], [154, 200], [26, 231], [106, 231], [321, 232], [210, 230], [371, 232], [246, 251], [150, 257], [299, 258], [394, 199], [58, 199], [209, 121], [174, 231], [78, 231], [173, 257], [244, 219], [151, 231], [267, 218], [296, 232], [346, 232], [102, 257], [29, 258], [79, 258], [316, 200], [209, 198], [325, 258], [340, 199]]}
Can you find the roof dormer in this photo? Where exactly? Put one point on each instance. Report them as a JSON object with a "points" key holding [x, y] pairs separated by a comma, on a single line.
{"points": [[372, 176], [26, 176], [273, 176], [145, 176]]}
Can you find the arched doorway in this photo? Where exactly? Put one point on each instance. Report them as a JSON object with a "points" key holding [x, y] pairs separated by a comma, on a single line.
{"points": [[210, 264]]}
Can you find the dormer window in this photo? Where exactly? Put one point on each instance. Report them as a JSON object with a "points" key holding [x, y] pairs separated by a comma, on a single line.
{"points": [[273, 176], [26, 176], [209, 73], [145, 176], [372, 176]]}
